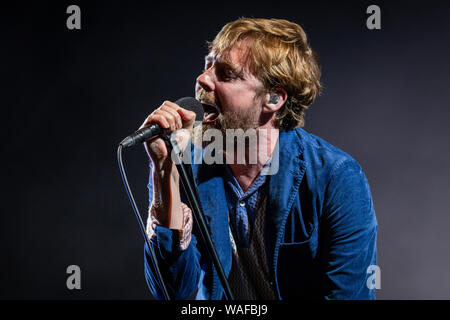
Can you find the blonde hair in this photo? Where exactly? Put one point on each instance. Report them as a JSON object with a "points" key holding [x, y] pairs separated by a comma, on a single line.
{"points": [[280, 57]]}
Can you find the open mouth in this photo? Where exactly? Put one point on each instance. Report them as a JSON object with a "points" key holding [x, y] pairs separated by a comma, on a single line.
{"points": [[211, 112]]}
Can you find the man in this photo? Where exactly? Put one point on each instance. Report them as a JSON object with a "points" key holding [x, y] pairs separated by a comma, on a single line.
{"points": [[306, 229]]}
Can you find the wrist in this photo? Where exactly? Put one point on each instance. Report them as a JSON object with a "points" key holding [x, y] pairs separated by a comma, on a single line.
{"points": [[163, 172]]}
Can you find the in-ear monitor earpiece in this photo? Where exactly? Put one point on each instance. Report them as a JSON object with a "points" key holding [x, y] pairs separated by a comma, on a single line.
{"points": [[273, 98]]}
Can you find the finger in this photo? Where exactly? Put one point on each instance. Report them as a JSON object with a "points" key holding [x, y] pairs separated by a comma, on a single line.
{"points": [[187, 115], [159, 119], [175, 114], [151, 119], [169, 117], [180, 111], [170, 104]]}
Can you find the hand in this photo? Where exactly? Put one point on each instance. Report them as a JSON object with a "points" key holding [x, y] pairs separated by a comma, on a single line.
{"points": [[169, 116]]}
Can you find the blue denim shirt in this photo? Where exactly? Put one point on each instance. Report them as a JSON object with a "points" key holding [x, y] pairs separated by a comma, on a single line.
{"points": [[320, 228], [243, 205]]}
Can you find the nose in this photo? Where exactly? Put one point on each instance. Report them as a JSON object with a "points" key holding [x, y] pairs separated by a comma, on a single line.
{"points": [[206, 80]]}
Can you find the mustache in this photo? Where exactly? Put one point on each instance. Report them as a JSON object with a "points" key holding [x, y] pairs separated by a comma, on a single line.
{"points": [[206, 97]]}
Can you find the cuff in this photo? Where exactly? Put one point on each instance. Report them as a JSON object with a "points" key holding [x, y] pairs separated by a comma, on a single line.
{"points": [[184, 234]]}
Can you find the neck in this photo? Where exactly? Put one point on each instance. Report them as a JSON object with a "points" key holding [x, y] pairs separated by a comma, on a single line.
{"points": [[256, 156]]}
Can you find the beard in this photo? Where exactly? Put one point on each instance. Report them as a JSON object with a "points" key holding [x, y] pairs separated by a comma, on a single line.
{"points": [[239, 119], [244, 120]]}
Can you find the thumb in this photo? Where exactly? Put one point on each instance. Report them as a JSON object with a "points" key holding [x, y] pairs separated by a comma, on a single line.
{"points": [[187, 115]]}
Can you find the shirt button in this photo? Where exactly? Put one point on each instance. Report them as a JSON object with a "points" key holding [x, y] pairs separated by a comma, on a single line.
{"points": [[242, 204]]}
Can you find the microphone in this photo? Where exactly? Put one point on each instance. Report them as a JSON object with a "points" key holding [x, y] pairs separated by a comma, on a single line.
{"points": [[155, 129]]}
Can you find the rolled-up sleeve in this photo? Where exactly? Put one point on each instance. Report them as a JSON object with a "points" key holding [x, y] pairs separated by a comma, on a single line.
{"points": [[177, 256], [185, 233]]}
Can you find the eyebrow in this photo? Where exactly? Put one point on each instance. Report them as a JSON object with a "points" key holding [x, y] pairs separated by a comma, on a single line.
{"points": [[224, 63]]}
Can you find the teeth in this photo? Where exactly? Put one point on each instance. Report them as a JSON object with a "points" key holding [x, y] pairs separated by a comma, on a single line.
{"points": [[211, 112], [210, 116]]}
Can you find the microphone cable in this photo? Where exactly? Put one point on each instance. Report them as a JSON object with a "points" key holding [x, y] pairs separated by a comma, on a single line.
{"points": [[141, 224]]}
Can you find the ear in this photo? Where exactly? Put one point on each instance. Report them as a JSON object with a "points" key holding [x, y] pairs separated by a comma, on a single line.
{"points": [[274, 100]]}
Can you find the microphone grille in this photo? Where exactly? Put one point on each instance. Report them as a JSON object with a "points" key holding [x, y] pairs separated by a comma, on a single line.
{"points": [[191, 104]]}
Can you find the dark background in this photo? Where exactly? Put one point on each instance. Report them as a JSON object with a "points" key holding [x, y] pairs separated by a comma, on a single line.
{"points": [[71, 96]]}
